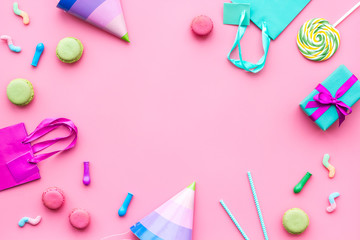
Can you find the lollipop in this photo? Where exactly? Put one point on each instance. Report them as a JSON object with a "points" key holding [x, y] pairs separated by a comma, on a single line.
{"points": [[318, 40]]}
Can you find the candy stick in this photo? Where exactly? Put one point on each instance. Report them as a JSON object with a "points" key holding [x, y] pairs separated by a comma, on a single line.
{"points": [[257, 206], [347, 14], [233, 219]]}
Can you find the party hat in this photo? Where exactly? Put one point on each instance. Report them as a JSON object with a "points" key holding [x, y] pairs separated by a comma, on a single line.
{"points": [[171, 221], [105, 14]]}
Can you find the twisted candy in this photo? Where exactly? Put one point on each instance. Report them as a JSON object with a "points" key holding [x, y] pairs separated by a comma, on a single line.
{"points": [[318, 40], [32, 221], [21, 13], [12, 47], [332, 206], [330, 167]]}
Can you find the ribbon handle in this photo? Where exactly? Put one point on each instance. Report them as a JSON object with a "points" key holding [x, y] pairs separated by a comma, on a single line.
{"points": [[240, 63], [44, 128]]}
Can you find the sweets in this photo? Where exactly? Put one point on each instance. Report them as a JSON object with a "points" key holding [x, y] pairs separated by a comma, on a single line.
{"points": [[32, 221], [12, 47], [21, 13], [20, 92], [79, 218], [53, 198], [332, 206], [69, 50], [202, 25], [318, 40], [330, 167], [295, 221]]}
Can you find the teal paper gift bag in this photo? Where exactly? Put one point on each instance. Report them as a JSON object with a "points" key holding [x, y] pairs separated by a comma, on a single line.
{"points": [[233, 11], [272, 17], [277, 14], [333, 98]]}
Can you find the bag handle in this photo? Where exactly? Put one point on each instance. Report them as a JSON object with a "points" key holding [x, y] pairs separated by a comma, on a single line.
{"points": [[44, 128], [240, 63]]}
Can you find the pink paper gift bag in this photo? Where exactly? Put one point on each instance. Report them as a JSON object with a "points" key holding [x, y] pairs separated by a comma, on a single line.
{"points": [[18, 158]]}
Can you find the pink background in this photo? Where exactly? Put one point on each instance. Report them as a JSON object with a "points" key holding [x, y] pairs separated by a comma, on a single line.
{"points": [[167, 109]]}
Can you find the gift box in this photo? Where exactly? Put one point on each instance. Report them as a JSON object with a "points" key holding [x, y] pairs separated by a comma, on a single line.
{"points": [[333, 98]]}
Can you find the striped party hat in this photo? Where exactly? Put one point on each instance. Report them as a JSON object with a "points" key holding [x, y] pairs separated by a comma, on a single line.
{"points": [[105, 14], [171, 221]]}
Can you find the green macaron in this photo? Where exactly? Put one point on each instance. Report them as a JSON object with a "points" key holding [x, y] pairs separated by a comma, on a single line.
{"points": [[69, 50], [20, 92], [295, 221]]}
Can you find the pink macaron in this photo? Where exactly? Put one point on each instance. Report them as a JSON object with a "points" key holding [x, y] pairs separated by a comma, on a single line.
{"points": [[79, 218], [53, 198], [202, 25]]}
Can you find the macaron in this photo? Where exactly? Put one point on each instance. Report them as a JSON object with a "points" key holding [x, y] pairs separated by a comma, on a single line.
{"points": [[295, 221], [79, 218], [69, 50], [202, 25], [53, 198], [20, 92]]}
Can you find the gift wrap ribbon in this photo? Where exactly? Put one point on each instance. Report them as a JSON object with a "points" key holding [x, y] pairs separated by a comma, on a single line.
{"points": [[324, 100]]}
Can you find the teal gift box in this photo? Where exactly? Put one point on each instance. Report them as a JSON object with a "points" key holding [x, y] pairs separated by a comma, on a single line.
{"points": [[345, 92]]}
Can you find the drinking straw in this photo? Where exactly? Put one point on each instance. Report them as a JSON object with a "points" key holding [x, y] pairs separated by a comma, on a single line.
{"points": [[257, 206], [233, 219]]}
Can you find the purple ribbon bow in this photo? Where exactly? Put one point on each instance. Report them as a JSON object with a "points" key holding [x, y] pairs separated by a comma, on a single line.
{"points": [[324, 100]]}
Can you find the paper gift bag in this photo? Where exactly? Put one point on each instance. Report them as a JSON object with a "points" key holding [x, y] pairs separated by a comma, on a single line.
{"points": [[232, 13], [171, 221], [272, 17], [333, 98], [18, 158]]}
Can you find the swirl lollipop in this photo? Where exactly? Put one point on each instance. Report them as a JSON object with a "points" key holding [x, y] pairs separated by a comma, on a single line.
{"points": [[318, 40]]}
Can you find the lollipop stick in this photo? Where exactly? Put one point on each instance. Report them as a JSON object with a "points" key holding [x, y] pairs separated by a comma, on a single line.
{"points": [[347, 14]]}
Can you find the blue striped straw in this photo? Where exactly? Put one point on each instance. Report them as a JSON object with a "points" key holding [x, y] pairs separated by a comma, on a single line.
{"points": [[257, 206], [233, 219]]}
